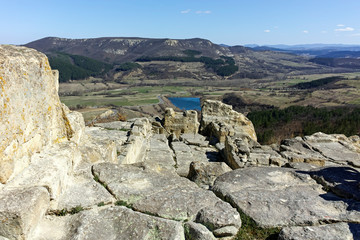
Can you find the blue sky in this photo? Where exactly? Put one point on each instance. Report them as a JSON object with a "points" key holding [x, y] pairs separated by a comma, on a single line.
{"points": [[232, 22]]}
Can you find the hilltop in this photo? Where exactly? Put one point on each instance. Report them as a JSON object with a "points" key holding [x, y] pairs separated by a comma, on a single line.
{"points": [[147, 58]]}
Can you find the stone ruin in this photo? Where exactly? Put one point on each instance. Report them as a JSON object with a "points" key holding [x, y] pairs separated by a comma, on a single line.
{"points": [[145, 179]]}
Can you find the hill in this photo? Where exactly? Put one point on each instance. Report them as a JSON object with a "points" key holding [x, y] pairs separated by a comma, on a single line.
{"points": [[166, 58]]}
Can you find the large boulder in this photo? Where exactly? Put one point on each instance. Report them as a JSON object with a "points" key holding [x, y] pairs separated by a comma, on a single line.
{"points": [[181, 122], [31, 115], [220, 120]]}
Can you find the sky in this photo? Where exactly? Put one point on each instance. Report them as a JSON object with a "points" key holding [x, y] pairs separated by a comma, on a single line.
{"points": [[231, 22]]}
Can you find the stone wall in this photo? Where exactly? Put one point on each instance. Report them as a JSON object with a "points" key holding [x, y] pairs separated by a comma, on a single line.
{"points": [[181, 122]]}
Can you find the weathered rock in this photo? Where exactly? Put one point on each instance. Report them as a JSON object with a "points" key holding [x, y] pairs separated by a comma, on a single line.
{"points": [[220, 120], [20, 211], [159, 157], [194, 139], [343, 181], [31, 115], [335, 147], [116, 125], [205, 173], [163, 195], [196, 231], [297, 150], [336, 231], [218, 217], [283, 197], [137, 142], [108, 116], [50, 168], [85, 193], [76, 121], [181, 122], [183, 157], [111, 222]]}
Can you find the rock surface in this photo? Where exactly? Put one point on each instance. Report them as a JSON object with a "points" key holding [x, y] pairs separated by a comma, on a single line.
{"points": [[31, 115]]}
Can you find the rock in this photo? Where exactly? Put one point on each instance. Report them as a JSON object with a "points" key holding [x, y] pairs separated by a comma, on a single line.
{"points": [[226, 231], [31, 114], [108, 116], [194, 139], [181, 122], [183, 157], [77, 124], [290, 197], [343, 181], [164, 195], [205, 173], [335, 149], [50, 168], [85, 193], [220, 120], [297, 150], [301, 166], [113, 222], [343, 231], [20, 211], [196, 231], [159, 157], [218, 217]]}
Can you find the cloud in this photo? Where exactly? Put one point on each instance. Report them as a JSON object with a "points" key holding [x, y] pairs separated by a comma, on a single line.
{"points": [[186, 11], [340, 25], [203, 12], [356, 35], [346, 29], [306, 31], [267, 31]]}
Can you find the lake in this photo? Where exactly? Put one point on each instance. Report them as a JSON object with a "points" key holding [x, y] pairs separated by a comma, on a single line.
{"points": [[186, 103]]}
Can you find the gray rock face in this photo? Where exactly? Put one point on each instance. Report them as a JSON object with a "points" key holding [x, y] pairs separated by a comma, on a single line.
{"points": [[337, 231], [283, 197], [343, 181], [220, 120], [31, 115], [205, 173], [164, 195], [21, 210], [195, 231]]}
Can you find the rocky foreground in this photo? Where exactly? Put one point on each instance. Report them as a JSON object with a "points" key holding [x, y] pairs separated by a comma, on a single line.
{"points": [[159, 178]]}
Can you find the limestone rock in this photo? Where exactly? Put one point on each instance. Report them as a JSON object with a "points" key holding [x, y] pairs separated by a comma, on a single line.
{"points": [[183, 157], [218, 217], [20, 211], [194, 139], [85, 193], [343, 181], [196, 231], [181, 122], [205, 173], [111, 222], [220, 120], [283, 197], [336, 231], [164, 195], [159, 157], [31, 115], [76, 121], [50, 168]]}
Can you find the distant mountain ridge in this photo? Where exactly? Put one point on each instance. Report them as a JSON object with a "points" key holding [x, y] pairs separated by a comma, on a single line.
{"points": [[167, 58]]}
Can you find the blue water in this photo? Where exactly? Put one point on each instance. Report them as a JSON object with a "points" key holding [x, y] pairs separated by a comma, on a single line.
{"points": [[186, 103]]}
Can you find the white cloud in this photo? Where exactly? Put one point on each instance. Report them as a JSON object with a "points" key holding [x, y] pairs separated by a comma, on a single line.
{"points": [[203, 12], [186, 11], [340, 25], [346, 29], [306, 31], [267, 31]]}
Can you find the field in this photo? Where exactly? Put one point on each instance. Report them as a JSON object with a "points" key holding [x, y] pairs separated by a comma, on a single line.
{"points": [[94, 97]]}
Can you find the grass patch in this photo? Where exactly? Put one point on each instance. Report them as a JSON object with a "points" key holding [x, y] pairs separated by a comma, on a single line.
{"points": [[251, 231], [65, 211], [123, 203]]}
